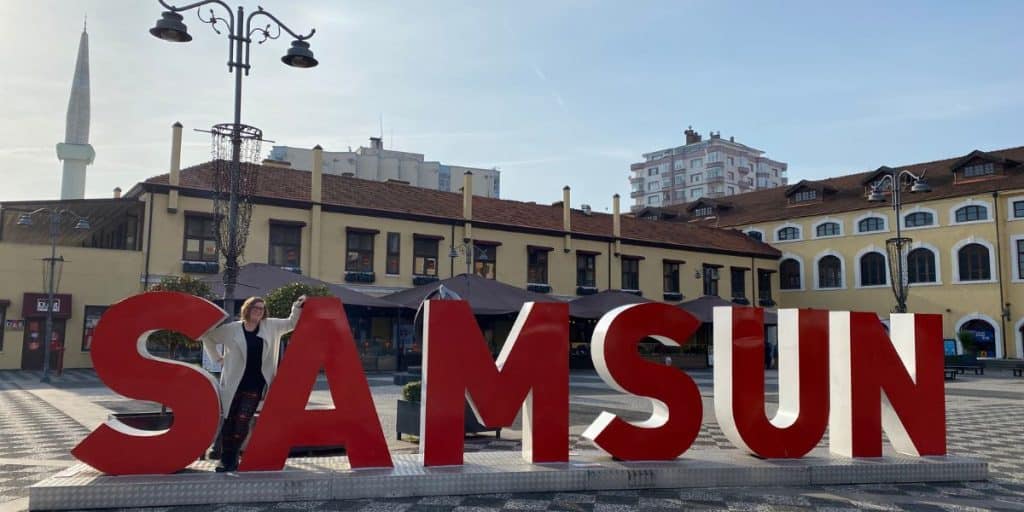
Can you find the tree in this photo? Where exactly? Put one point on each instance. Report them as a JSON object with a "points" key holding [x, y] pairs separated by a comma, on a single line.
{"points": [[279, 301], [173, 341], [968, 341]]}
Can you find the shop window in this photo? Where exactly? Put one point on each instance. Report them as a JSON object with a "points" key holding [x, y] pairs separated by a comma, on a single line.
{"points": [[92, 317], [285, 245], [485, 260], [200, 238], [359, 252]]}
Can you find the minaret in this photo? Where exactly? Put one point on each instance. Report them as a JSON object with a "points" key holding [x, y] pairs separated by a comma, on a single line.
{"points": [[75, 151]]}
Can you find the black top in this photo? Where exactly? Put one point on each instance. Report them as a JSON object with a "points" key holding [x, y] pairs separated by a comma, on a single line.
{"points": [[252, 378]]}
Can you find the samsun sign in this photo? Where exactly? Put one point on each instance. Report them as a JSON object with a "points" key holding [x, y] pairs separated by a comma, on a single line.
{"points": [[838, 370]]}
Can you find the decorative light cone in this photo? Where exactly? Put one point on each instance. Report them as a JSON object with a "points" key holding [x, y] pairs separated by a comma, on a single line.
{"points": [[876, 196], [299, 55], [921, 185], [83, 223], [24, 220], [170, 28]]}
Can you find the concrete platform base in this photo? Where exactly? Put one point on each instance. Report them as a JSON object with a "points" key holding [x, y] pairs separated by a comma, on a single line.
{"points": [[331, 478]]}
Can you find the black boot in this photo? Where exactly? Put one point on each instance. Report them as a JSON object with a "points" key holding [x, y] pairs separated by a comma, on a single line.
{"points": [[228, 462]]}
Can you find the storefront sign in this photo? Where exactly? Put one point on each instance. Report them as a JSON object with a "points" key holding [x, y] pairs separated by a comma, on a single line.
{"points": [[838, 370], [35, 305], [14, 325]]}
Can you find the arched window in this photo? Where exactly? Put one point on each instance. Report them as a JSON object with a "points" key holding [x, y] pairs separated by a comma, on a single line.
{"points": [[789, 233], [870, 224], [971, 212], [918, 219], [756, 235], [789, 274], [872, 269], [827, 229], [921, 266], [830, 272], [982, 336], [974, 263]]}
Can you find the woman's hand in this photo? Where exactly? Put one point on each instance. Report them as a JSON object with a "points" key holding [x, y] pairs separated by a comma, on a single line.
{"points": [[300, 301]]}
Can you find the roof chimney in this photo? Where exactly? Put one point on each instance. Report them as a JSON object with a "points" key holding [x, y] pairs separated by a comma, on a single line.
{"points": [[567, 218], [692, 137], [616, 223], [175, 178], [316, 187], [377, 142], [117, 192], [467, 203]]}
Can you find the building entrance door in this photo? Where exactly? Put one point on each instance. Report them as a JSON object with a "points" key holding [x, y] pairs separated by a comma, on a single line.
{"points": [[32, 349]]}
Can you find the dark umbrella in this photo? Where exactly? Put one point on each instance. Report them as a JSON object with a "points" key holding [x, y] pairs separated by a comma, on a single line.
{"points": [[704, 309], [485, 296], [261, 278], [595, 306]]}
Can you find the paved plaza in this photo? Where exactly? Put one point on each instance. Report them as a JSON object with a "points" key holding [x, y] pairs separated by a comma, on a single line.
{"points": [[39, 423]]}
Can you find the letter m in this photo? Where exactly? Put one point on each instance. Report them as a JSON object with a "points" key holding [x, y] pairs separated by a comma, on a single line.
{"points": [[531, 373], [877, 383]]}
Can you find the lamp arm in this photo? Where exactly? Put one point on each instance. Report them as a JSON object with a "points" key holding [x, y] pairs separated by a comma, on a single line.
{"points": [[230, 20], [265, 31]]}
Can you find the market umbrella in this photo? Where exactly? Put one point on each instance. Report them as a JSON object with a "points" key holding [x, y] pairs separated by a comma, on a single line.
{"points": [[261, 278], [704, 309], [595, 306], [485, 296]]}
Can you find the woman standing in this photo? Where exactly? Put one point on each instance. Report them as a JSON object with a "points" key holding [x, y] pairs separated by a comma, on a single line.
{"points": [[251, 348]]}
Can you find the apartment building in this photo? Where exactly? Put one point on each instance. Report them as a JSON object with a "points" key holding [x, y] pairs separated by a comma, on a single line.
{"points": [[702, 168]]}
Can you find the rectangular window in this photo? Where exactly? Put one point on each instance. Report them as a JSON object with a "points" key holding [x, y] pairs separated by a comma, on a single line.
{"points": [[696, 192], [731, 190], [630, 273], [696, 178], [394, 252], [285, 245], [697, 163], [537, 266], [3, 322], [704, 211], [653, 171], [200, 238], [1018, 209], [424, 256], [732, 161], [738, 282], [670, 270], [359, 252], [681, 180], [973, 171], [679, 164], [485, 260], [732, 176], [764, 288], [92, 317], [806, 195], [710, 280], [586, 270], [714, 156], [1020, 259], [653, 185]]}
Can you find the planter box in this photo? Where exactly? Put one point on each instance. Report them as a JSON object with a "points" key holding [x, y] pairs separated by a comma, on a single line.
{"points": [[539, 288], [369, 362], [690, 361], [408, 421], [387, 363]]}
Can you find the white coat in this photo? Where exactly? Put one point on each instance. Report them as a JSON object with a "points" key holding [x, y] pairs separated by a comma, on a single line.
{"points": [[232, 336]]}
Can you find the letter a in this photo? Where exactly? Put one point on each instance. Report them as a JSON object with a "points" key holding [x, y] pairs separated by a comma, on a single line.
{"points": [[675, 420], [800, 421], [122, 362], [322, 339], [876, 383], [532, 373]]}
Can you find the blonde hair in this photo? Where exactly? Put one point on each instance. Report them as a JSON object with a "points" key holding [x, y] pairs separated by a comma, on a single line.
{"points": [[249, 303]]}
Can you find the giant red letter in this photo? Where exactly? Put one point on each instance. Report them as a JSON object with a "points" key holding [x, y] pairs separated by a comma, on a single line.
{"points": [[675, 421], [532, 372], [122, 362], [322, 339], [802, 416], [876, 383]]}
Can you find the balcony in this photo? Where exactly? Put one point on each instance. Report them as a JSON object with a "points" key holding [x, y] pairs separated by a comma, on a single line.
{"points": [[636, 179], [715, 179], [743, 170], [636, 193], [714, 165]]}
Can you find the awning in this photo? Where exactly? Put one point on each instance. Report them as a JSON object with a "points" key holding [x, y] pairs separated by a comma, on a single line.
{"points": [[596, 305], [259, 279], [485, 296], [704, 309]]}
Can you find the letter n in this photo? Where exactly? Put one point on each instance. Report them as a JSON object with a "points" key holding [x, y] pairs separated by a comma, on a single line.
{"points": [[878, 384], [532, 373], [800, 421]]}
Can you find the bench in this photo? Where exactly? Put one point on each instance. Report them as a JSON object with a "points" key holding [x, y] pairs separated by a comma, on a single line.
{"points": [[962, 369], [951, 374], [962, 363], [1018, 371]]}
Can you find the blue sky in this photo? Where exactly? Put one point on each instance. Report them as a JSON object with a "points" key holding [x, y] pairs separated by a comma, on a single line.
{"points": [[552, 93]]}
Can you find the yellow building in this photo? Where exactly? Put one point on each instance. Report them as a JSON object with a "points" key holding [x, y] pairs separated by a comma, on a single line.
{"points": [[966, 261], [377, 237]]}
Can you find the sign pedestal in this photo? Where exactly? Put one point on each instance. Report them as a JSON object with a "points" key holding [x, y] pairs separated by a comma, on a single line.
{"points": [[331, 478]]}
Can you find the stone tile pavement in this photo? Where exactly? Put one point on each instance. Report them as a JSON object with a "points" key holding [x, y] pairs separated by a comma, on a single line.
{"points": [[985, 418]]}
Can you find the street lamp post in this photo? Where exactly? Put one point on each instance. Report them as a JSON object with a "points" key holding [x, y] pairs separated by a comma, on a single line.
{"points": [[55, 214], [240, 34], [469, 250], [895, 247]]}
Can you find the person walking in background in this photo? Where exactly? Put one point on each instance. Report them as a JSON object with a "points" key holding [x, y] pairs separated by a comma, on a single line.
{"points": [[251, 347]]}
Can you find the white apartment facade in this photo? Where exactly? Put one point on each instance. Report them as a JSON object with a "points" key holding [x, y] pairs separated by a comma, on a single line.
{"points": [[711, 168], [379, 164]]}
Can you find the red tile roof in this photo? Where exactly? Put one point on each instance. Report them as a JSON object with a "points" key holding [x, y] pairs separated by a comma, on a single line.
{"points": [[275, 183], [847, 193]]}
